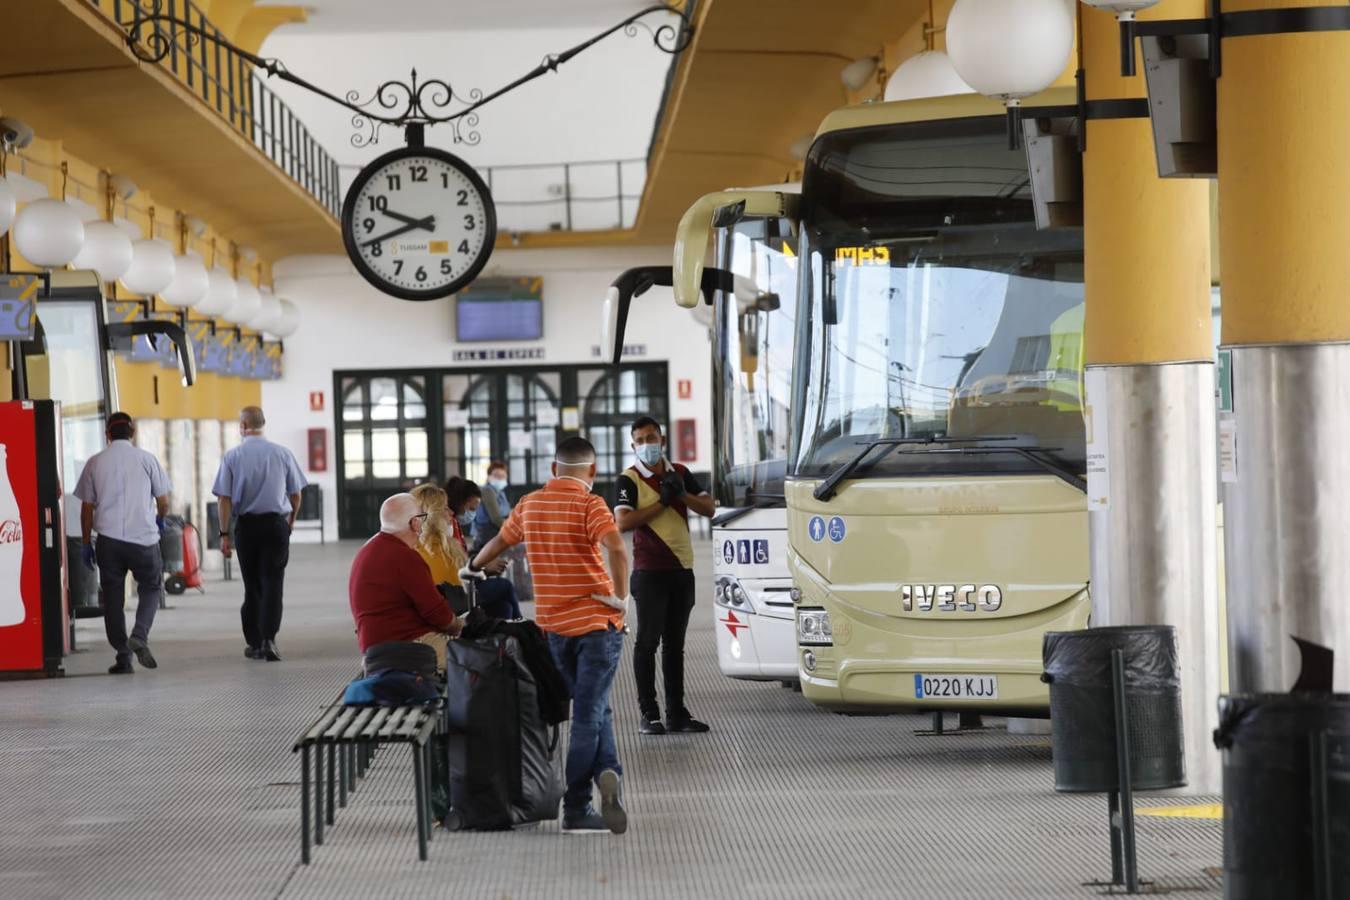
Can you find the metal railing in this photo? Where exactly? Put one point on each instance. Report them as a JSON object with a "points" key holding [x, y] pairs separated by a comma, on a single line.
{"points": [[228, 83], [572, 196]]}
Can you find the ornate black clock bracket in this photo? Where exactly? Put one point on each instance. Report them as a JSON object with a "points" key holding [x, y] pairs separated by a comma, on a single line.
{"points": [[413, 105]]}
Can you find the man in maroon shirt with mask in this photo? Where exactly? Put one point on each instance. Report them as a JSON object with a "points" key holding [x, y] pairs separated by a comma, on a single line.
{"points": [[390, 589]]}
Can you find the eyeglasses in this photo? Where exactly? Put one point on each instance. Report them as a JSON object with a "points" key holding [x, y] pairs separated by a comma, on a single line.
{"points": [[421, 516]]}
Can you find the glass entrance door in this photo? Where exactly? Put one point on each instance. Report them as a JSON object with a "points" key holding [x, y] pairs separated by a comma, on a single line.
{"points": [[386, 445]]}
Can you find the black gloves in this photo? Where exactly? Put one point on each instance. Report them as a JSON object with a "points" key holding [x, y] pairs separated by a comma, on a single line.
{"points": [[672, 488]]}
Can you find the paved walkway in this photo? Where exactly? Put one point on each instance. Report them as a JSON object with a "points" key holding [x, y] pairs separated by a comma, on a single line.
{"points": [[179, 783]]}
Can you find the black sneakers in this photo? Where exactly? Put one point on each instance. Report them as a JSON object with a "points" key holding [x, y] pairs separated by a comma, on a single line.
{"points": [[121, 667], [651, 725], [685, 724], [269, 652], [589, 822]]}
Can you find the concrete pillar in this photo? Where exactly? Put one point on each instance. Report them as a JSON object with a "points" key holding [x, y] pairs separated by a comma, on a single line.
{"points": [[1150, 389], [1284, 138]]}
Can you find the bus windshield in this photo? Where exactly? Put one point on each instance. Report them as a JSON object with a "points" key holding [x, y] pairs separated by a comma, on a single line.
{"points": [[932, 308], [753, 364]]}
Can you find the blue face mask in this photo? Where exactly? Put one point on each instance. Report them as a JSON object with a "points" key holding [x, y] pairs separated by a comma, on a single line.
{"points": [[465, 519], [648, 454], [498, 483]]}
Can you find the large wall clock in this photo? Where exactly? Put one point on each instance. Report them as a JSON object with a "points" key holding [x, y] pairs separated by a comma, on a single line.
{"points": [[419, 223]]}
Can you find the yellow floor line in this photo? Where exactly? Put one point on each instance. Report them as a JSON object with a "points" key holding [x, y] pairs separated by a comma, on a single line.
{"points": [[1197, 811]]}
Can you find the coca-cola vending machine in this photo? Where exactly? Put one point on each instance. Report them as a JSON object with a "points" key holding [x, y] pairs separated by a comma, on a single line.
{"points": [[34, 623]]}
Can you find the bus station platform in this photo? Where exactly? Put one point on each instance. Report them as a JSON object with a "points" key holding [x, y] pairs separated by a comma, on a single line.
{"points": [[180, 783]]}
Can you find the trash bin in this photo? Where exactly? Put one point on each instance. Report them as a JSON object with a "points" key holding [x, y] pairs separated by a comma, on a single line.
{"points": [[83, 582], [1283, 821], [1082, 707]]}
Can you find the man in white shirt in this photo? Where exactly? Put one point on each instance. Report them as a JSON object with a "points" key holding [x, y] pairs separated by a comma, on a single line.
{"points": [[124, 497]]}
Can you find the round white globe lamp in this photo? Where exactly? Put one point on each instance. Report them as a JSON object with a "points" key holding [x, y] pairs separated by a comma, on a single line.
{"points": [[48, 233], [286, 324], [152, 267], [247, 302], [269, 308], [107, 251], [221, 292], [926, 74], [1010, 49], [189, 283], [9, 203]]}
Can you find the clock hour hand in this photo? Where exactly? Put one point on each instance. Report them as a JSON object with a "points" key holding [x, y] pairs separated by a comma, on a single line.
{"points": [[425, 224], [429, 224]]}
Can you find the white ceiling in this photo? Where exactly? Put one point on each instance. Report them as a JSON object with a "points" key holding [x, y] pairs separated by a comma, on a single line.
{"points": [[458, 15]]}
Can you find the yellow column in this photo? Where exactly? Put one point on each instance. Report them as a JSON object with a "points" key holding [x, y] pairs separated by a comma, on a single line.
{"points": [[1146, 240], [1284, 223], [1284, 219], [1150, 389]]}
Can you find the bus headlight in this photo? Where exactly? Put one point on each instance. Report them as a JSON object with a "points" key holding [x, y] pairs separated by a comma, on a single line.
{"points": [[813, 628], [729, 594]]}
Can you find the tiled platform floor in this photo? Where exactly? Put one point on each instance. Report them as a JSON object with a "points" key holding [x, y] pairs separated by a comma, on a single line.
{"points": [[179, 783]]}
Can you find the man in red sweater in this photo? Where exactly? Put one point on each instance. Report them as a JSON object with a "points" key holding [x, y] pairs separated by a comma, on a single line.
{"points": [[390, 588]]}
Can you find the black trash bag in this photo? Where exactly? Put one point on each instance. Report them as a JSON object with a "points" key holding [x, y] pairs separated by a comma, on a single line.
{"points": [[1082, 707], [503, 767], [1274, 838]]}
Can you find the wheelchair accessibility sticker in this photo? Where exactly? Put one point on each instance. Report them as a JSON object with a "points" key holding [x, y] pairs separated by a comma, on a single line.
{"points": [[816, 529], [837, 530]]}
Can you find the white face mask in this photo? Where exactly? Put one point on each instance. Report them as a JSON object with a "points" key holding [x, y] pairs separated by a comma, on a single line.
{"points": [[498, 483]]}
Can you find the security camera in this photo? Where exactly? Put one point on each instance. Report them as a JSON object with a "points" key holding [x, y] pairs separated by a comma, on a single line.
{"points": [[15, 135]]}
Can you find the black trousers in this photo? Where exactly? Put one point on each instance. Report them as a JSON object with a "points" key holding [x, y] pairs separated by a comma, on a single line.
{"points": [[115, 559], [664, 601], [263, 544]]}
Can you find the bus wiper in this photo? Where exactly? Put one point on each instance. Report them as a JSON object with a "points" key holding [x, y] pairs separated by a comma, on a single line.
{"points": [[826, 489], [1031, 454], [767, 501]]}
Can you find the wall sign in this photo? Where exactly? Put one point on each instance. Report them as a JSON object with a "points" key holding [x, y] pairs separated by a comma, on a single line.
{"points": [[316, 401], [503, 354], [1098, 438], [18, 294], [628, 350], [685, 388]]}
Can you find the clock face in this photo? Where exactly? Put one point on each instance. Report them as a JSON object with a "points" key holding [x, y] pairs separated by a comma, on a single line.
{"points": [[419, 223]]}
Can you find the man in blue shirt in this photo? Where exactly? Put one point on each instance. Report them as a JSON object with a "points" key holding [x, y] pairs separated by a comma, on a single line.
{"points": [[124, 496], [259, 486]]}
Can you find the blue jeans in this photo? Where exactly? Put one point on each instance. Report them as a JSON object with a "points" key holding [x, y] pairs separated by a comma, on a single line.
{"points": [[588, 664]]}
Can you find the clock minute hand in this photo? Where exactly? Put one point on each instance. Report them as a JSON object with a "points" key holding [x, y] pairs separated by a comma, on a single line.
{"points": [[429, 223]]}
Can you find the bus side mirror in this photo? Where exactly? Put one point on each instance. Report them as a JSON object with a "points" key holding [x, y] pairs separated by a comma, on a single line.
{"points": [[634, 283], [187, 361], [721, 209]]}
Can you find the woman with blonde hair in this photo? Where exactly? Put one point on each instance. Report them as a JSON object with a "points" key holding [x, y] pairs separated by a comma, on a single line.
{"points": [[437, 544]]}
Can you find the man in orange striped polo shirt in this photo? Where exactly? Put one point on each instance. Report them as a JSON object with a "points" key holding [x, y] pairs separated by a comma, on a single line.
{"points": [[564, 526]]}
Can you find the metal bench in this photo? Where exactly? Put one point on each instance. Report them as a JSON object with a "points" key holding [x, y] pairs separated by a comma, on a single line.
{"points": [[349, 736]]}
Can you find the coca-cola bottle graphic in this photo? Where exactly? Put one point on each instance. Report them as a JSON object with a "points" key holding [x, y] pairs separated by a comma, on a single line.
{"points": [[11, 550]]}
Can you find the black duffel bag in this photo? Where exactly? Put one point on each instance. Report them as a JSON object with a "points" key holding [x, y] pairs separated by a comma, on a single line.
{"points": [[502, 754]]}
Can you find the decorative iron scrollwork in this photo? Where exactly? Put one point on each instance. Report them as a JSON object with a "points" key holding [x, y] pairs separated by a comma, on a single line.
{"points": [[151, 36]]}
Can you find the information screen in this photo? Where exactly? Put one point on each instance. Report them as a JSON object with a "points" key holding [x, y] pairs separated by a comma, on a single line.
{"points": [[500, 309]]}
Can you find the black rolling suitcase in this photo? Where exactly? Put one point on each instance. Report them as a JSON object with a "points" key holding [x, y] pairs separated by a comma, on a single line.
{"points": [[502, 754]]}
